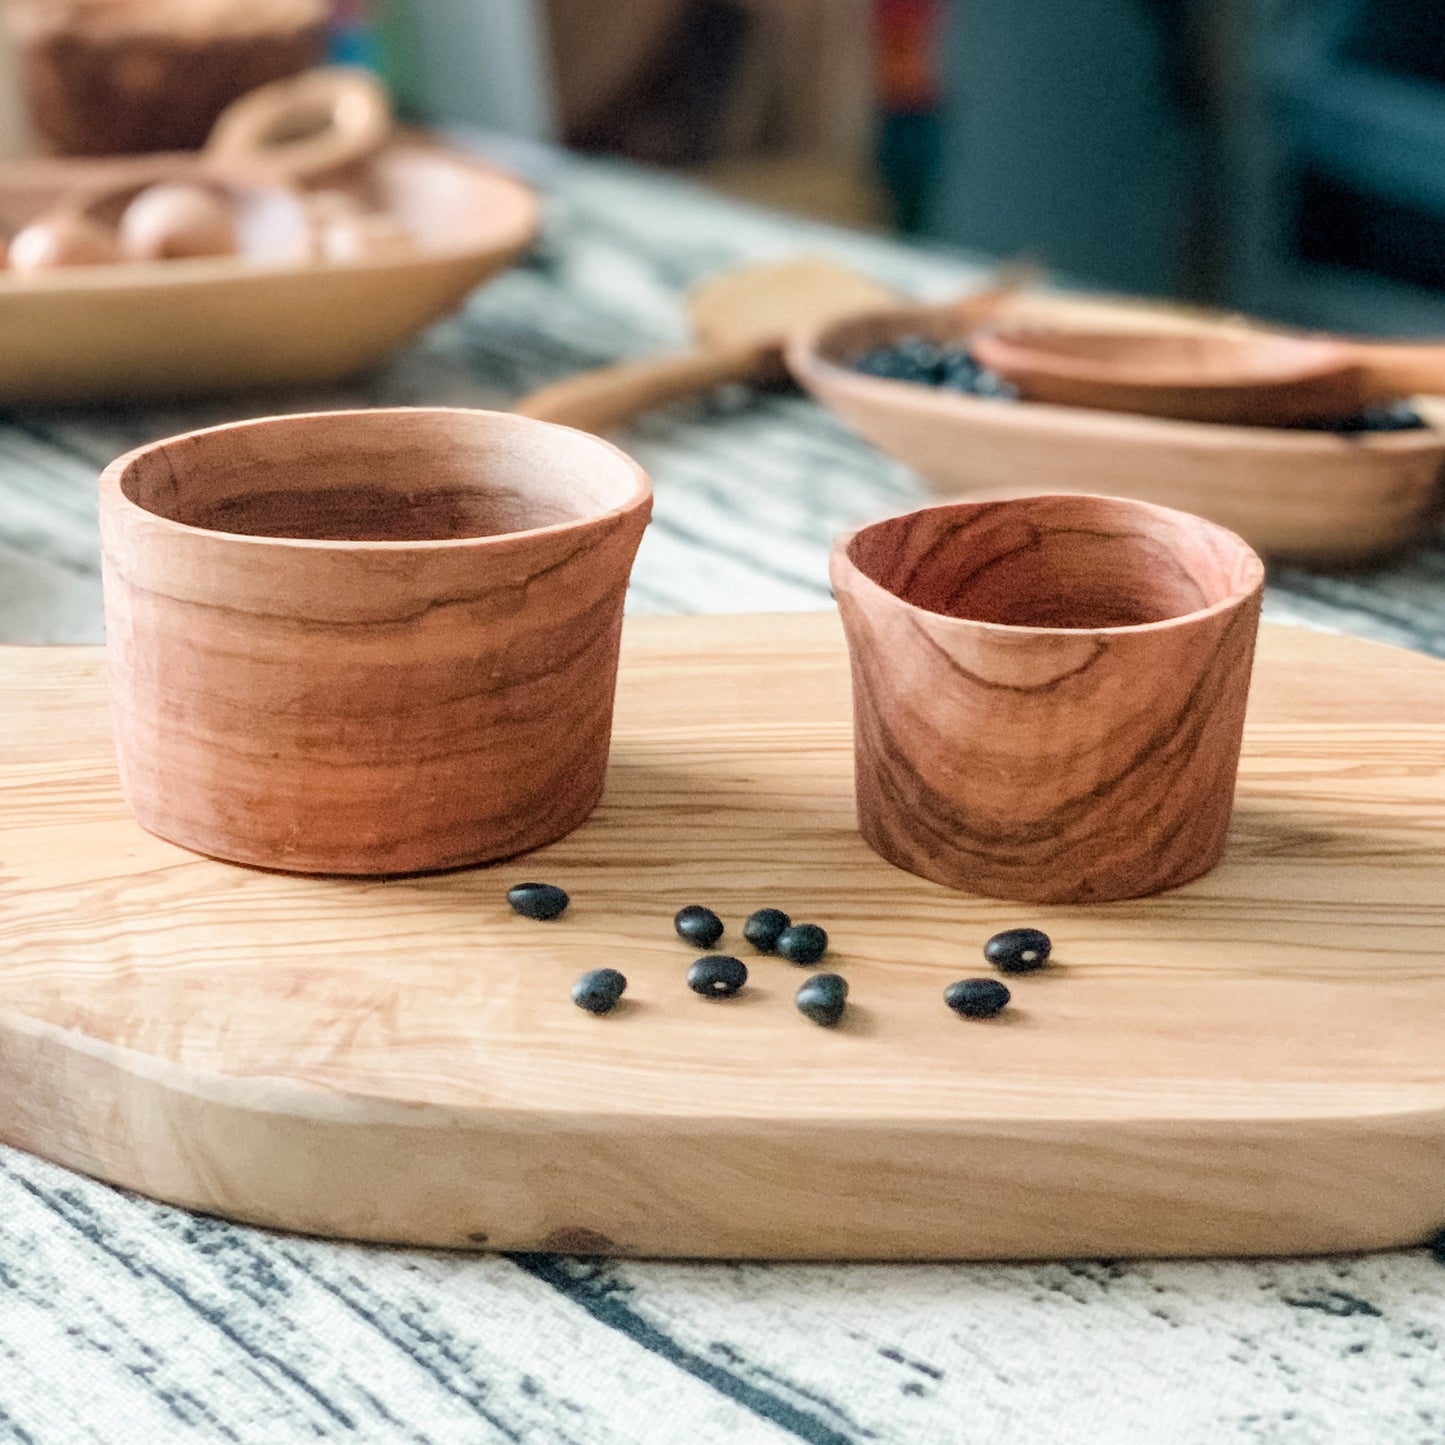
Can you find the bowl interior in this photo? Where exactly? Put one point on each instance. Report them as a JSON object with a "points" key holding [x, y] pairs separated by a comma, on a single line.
{"points": [[382, 476], [844, 341], [1071, 562]]}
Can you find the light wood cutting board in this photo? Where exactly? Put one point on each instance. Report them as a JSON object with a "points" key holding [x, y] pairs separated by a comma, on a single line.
{"points": [[1252, 1064]]}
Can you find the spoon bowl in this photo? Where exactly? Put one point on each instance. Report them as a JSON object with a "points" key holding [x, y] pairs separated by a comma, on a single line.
{"points": [[1237, 377]]}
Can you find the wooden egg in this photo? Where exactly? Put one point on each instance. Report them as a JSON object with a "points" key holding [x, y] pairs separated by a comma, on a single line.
{"points": [[61, 240], [167, 222], [369, 237], [323, 207]]}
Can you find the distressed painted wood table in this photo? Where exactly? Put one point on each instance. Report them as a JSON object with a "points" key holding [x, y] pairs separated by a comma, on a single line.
{"points": [[123, 1320]]}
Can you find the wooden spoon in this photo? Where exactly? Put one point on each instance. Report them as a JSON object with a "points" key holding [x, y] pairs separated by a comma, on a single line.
{"points": [[276, 135], [1244, 377], [741, 319]]}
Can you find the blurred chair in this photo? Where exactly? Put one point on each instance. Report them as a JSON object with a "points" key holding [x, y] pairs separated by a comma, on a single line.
{"points": [[773, 99], [1071, 134], [476, 63], [1335, 137]]}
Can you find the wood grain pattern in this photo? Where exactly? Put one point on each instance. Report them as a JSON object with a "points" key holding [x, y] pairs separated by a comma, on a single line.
{"points": [[1306, 496], [367, 642], [1048, 693], [262, 318], [1250, 1064]]}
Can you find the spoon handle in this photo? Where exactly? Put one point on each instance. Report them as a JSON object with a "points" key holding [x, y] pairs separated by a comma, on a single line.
{"points": [[1395, 370], [605, 399]]}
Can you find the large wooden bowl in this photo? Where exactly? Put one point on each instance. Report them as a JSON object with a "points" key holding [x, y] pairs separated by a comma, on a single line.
{"points": [[1307, 496], [367, 642], [263, 319]]}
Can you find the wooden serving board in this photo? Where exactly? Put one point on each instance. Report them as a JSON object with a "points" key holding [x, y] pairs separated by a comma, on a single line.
{"points": [[1254, 1063]]}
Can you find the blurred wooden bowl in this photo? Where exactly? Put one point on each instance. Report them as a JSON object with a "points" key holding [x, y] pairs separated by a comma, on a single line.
{"points": [[1299, 495], [270, 316]]}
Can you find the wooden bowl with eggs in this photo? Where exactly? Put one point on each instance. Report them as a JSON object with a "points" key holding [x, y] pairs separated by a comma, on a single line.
{"points": [[311, 284]]}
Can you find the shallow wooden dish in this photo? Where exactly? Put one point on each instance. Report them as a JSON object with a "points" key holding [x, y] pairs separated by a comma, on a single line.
{"points": [[1307, 496], [180, 328], [1251, 1064]]}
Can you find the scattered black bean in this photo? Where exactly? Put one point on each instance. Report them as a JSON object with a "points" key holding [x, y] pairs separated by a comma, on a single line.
{"points": [[1436, 1245], [1018, 950], [698, 925], [538, 900], [717, 976], [976, 998], [823, 997], [915, 358], [765, 927], [802, 943], [599, 991]]}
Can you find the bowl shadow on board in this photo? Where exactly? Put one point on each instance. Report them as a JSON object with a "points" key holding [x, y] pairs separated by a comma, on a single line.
{"points": [[1261, 830], [675, 800]]}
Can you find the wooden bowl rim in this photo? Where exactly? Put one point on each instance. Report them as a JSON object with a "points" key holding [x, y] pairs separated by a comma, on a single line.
{"points": [[124, 277], [114, 500], [809, 359], [845, 572]]}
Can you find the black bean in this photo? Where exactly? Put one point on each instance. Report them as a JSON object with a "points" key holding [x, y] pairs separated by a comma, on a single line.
{"points": [[765, 927], [1436, 1245], [976, 998], [538, 900], [951, 366], [599, 990], [717, 975], [884, 361], [698, 925], [1391, 416], [1018, 950], [802, 943], [823, 997]]}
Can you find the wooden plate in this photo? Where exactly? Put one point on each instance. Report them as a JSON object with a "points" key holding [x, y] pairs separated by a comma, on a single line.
{"points": [[179, 328], [1252, 1064], [1301, 495]]}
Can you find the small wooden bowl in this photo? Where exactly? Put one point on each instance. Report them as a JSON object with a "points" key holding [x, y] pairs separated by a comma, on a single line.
{"points": [[367, 642], [1305, 496], [1048, 693], [269, 317]]}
